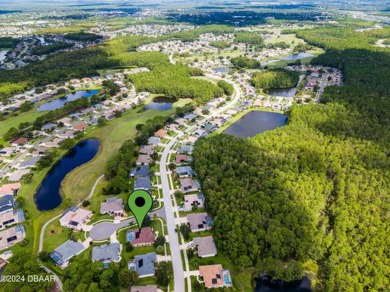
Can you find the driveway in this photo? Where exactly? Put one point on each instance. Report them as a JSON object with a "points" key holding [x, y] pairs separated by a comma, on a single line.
{"points": [[104, 230]]}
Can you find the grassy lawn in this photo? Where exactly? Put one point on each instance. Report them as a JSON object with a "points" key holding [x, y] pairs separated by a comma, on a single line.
{"points": [[241, 278], [14, 121], [55, 234], [78, 183]]}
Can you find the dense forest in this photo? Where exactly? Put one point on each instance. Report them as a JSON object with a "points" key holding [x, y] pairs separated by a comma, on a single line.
{"points": [[8, 42], [303, 192], [314, 193], [245, 62], [250, 38], [44, 50], [277, 78], [172, 80], [83, 36], [242, 18]]}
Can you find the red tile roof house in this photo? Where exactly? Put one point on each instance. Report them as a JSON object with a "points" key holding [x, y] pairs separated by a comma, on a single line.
{"points": [[161, 133], [182, 158], [19, 141], [141, 237], [81, 127]]}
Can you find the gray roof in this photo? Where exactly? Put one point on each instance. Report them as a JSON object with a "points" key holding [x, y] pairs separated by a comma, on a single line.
{"points": [[49, 126], [6, 203], [186, 149], [205, 245], [199, 221], [184, 170], [142, 170], [29, 162], [190, 117], [144, 263], [142, 183], [66, 251], [106, 252], [210, 127], [154, 141], [111, 205]]}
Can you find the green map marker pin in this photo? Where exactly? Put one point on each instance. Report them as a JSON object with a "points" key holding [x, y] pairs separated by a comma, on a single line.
{"points": [[140, 202]]}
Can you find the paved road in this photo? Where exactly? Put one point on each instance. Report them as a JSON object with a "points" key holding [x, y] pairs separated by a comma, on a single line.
{"points": [[177, 263], [104, 230]]}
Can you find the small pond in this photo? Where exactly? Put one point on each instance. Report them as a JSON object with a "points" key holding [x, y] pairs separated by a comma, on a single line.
{"points": [[286, 92], [48, 195], [3, 55], [298, 56], [256, 122], [222, 70], [60, 102], [265, 284], [161, 103]]}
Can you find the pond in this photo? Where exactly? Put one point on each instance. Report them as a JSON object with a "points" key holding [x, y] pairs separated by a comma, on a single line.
{"points": [[161, 103], [3, 55], [256, 122], [48, 195], [295, 57], [222, 70], [266, 284], [286, 92], [59, 102]]}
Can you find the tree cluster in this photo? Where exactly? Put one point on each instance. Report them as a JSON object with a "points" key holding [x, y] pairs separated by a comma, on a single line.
{"points": [[277, 78]]}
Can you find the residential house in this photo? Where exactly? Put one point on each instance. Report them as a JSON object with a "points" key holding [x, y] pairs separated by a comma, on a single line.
{"points": [[80, 127], [147, 288], [199, 221], [144, 264], [10, 189], [205, 246], [112, 206], [29, 163], [184, 171], [146, 149], [8, 151], [143, 159], [187, 149], [10, 236], [190, 117], [140, 237], [154, 141], [142, 183], [7, 203], [161, 133], [189, 185], [49, 127], [17, 175], [62, 254], [75, 217], [107, 253], [214, 276], [182, 158], [11, 217], [191, 200], [19, 142], [140, 171]]}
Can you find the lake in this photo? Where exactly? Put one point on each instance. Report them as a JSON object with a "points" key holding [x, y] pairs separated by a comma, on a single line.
{"points": [[48, 195], [256, 122], [295, 57], [222, 70], [161, 103], [265, 284], [59, 102], [286, 92]]}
